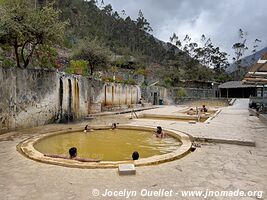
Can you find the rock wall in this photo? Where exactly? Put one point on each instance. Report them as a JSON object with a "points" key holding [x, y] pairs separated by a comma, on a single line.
{"points": [[37, 97], [190, 94], [27, 97], [156, 95]]}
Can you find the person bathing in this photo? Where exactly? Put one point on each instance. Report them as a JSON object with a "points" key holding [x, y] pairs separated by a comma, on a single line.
{"points": [[159, 132], [72, 156]]}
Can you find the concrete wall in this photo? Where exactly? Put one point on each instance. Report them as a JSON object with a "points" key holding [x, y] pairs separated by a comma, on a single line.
{"points": [[73, 94], [120, 94], [155, 94], [191, 94], [27, 97], [194, 92], [36, 97]]}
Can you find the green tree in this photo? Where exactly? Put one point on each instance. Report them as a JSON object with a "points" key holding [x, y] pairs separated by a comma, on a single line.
{"points": [[24, 28], [206, 61], [142, 22], [78, 67], [240, 47], [254, 50], [92, 51]]}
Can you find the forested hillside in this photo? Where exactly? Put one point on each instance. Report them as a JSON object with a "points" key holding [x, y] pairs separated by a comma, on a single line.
{"points": [[122, 36], [99, 38], [133, 37]]}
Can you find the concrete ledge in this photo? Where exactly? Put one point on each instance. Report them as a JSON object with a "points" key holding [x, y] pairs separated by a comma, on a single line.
{"points": [[172, 117], [126, 169], [26, 147], [232, 101], [262, 117], [226, 141], [213, 116], [121, 112]]}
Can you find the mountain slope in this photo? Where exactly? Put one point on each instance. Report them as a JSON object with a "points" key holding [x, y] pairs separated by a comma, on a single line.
{"points": [[128, 39], [248, 60]]}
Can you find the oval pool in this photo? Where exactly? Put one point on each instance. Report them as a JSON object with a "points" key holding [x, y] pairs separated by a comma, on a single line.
{"points": [[108, 145], [112, 147]]}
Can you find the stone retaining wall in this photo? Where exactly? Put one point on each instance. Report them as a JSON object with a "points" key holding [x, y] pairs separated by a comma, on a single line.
{"points": [[36, 97], [32, 97]]}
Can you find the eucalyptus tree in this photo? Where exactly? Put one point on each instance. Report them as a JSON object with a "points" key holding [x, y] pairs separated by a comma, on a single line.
{"points": [[240, 47], [205, 53]]}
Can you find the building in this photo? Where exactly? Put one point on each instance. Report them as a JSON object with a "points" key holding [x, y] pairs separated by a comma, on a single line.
{"points": [[236, 89], [257, 75]]}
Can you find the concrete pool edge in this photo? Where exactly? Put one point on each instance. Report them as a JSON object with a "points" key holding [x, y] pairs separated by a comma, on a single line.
{"points": [[183, 117], [26, 147]]}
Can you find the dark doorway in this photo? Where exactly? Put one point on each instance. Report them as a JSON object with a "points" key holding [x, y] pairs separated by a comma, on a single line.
{"points": [[155, 98], [113, 94], [60, 93], [60, 107], [238, 92], [105, 103], [69, 115], [70, 96], [76, 100]]}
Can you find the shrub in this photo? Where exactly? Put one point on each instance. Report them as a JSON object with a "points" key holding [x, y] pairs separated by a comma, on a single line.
{"points": [[140, 71], [45, 56], [181, 92], [130, 81], [78, 67]]}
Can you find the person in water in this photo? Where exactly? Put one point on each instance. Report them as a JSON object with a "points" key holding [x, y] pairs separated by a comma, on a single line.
{"points": [[114, 126], [191, 111], [72, 156], [203, 109], [159, 132], [87, 129], [73, 152], [135, 155]]}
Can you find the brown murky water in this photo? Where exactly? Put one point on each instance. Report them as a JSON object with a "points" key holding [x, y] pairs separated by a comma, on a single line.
{"points": [[209, 113], [108, 145]]}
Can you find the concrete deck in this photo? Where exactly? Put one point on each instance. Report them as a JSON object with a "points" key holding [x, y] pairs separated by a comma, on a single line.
{"points": [[213, 166], [233, 123]]}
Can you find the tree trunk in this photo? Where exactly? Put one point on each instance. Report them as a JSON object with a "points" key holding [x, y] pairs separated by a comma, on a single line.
{"points": [[17, 54], [27, 60], [22, 54], [91, 69]]}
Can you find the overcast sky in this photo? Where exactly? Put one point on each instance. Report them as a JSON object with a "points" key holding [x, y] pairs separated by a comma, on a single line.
{"points": [[217, 19]]}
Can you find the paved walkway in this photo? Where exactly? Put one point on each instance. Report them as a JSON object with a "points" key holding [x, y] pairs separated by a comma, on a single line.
{"points": [[233, 122], [211, 167]]}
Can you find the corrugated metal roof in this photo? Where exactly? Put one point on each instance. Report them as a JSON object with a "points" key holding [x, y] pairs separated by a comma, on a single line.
{"points": [[235, 84], [258, 71], [264, 57], [259, 67], [257, 74]]}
